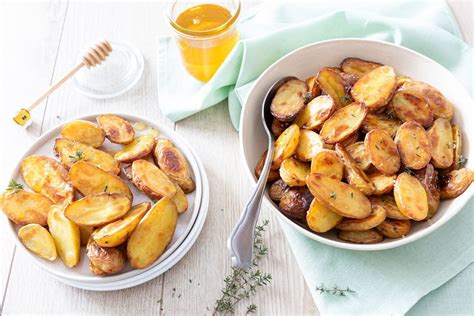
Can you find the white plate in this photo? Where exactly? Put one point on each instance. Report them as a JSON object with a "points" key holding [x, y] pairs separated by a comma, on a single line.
{"points": [[306, 62], [44, 145]]}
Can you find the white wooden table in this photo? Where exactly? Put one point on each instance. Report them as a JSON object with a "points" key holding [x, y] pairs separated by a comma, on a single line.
{"points": [[39, 41]]}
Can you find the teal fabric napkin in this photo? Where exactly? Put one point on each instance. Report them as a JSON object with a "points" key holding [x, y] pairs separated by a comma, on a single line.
{"points": [[387, 282]]}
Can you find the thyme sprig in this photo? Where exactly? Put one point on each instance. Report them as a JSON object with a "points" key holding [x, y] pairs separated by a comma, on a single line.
{"points": [[462, 161], [14, 186], [78, 155], [242, 283], [333, 291]]}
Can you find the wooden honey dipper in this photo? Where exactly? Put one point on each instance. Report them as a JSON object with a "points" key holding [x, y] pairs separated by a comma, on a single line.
{"points": [[95, 56]]}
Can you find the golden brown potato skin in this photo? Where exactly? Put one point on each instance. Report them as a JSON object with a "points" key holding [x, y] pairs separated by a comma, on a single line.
{"points": [[151, 180], [278, 127], [117, 129], [108, 260], [139, 148], [289, 100], [277, 190], [23, 207], [335, 85], [358, 67], [455, 183], [84, 132], [295, 202], [370, 236], [428, 177], [394, 228], [173, 163], [273, 175]]}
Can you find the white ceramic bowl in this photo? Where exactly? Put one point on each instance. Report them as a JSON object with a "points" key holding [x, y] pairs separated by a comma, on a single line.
{"points": [[307, 61]]}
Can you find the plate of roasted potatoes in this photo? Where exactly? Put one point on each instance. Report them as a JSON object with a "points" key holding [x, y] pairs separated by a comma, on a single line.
{"points": [[107, 201], [372, 143]]}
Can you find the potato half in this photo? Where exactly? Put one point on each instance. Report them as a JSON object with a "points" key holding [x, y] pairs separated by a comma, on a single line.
{"points": [[86, 232], [48, 177], [153, 234], [408, 107], [438, 104], [359, 154], [385, 122], [23, 207], [390, 206], [289, 100], [328, 164], [383, 183], [84, 132], [295, 202], [273, 175], [285, 145], [139, 148], [333, 83], [277, 190], [442, 145], [394, 228], [343, 123], [117, 129], [38, 240], [358, 67], [456, 182], [376, 217], [410, 196], [370, 236], [309, 145], [313, 87], [151, 180], [294, 172], [106, 260], [458, 159], [414, 145], [321, 219], [382, 151], [278, 127], [428, 177], [316, 112]]}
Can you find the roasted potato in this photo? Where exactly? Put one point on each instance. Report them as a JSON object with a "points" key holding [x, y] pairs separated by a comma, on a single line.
{"points": [[38, 240], [383, 183], [151, 180], [153, 234], [353, 173], [95, 270], [343, 123], [86, 232], [375, 89], [338, 196], [438, 104], [180, 200], [315, 113], [89, 179], [295, 202], [66, 235], [376, 217], [370, 236], [173, 163], [321, 219], [309, 145], [278, 127], [410, 196], [351, 139], [358, 67], [385, 122], [289, 100], [84, 132], [273, 175], [108, 260], [389, 205], [48, 177], [327, 164], [428, 177], [277, 190], [294, 172], [401, 80], [117, 129], [70, 152], [359, 154], [441, 138], [333, 83], [98, 209], [23, 207], [408, 107], [455, 183], [414, 145], [458, 159], [285, 145], [139, 148], [382, 151], [394, 228], [313, 87]]}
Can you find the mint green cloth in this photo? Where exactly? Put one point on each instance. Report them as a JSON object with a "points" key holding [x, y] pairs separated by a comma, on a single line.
{"points": [[389, 282]]}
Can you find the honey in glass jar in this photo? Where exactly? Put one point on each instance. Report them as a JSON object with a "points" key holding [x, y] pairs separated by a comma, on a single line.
{"points": [[205, 34]]}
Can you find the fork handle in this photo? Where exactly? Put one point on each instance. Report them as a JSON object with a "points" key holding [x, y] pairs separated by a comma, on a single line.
{"points": [[240, 242]]}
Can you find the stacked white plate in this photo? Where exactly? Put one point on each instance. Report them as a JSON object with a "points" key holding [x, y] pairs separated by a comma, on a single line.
{"points": [[188, 228]]}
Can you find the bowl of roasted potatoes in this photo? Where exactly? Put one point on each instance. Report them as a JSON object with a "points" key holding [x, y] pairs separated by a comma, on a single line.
{"points": [[106, 201], [371, 143]]}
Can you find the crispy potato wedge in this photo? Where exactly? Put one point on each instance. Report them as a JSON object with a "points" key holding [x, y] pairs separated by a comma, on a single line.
{"points": [[23, 207], [332, 83], [48, 177], [442, 148], [438, 104], [408, 107], [385, 122], [414, 145], [173, 163], [273, 175], [108, 260], [353, 173], [180, 200], [316, 112], [98, 209], [390, 206], [89, 179], [338, 196], [139, 148], [277, 190], [84, 132], [455, 183], [278, 127], [313, 87], [116, 233], [294, 172], [309, 145], [428, 177], [327, 164], [85, 232], [394, 228], [289, 100], [358, 67], [375, 89], [70, 152], [383, 183], [382, 151], [151, 180], [117, 129], [410, 196], [376, 217], [458, 159], [370, 236], [285, 145], [153, 234], [38, 240], [343, 123], [295, 202], [359, 154], [320, 219], [66, 235]]}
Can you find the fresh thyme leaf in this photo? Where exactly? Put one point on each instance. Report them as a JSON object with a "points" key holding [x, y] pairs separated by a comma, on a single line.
{"points": [[346, 99], [352, 195], [79, 155], [334, 291], [106, 188], [409, 171], [252, 308], [462, 161], [332, 195], [14, 186], [307, 97]]}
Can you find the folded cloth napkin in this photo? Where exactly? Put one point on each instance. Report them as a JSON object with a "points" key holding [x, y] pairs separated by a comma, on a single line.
{"points": [[389, 282]]}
